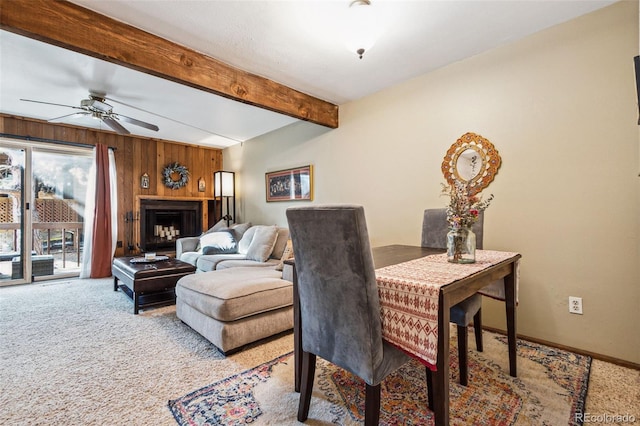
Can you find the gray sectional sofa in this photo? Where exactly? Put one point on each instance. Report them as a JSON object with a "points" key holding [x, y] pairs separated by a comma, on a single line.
{"points": [[238, 295], [254, 248]]}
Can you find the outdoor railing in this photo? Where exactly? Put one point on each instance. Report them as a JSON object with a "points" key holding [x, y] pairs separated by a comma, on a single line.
{"points": [[50, 217]]}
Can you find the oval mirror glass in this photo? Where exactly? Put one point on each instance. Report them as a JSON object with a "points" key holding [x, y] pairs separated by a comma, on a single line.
{"points": [[469, 164]]}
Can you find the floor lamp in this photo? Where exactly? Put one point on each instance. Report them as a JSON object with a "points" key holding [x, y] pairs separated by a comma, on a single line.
{"points": [[224, 186]]}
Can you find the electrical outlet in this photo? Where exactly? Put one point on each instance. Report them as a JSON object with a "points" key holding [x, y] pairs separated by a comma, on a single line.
{"points": [[575, 305]]}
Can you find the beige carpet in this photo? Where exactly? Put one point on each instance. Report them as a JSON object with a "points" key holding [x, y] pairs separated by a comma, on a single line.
{"points": [[73, 353]]}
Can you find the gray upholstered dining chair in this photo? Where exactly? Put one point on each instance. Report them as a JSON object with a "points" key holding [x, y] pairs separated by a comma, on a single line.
{"points": [[434, 235], [339, 304]]}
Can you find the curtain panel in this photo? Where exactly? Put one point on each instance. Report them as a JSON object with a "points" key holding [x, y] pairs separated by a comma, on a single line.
{"points": [[101, 226]]}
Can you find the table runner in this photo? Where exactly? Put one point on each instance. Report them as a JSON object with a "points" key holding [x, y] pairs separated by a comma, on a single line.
{"points": [[409, 298]]}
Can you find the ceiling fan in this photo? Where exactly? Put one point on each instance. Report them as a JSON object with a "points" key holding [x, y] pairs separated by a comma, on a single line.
{"points": [[96, 107]]}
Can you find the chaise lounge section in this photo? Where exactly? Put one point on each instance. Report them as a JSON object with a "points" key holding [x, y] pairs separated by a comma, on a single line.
{"points": [[235, 298], [237, 306]]}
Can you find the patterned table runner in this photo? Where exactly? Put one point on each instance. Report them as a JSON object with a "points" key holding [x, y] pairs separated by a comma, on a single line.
{"points": [[409, 298]]}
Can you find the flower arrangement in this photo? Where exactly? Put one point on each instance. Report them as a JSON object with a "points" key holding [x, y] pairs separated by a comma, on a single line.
{"points": [[464, 208]]}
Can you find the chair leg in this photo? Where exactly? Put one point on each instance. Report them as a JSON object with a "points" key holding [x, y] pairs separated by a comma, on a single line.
{"points": [[477, 327], [429, 388], [462, 354], [372, 405], [306, 384]]}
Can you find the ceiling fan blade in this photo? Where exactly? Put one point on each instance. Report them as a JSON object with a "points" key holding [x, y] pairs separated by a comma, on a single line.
{"points": [[72, 115], [138, 122], [51, 103], [115, 126]]}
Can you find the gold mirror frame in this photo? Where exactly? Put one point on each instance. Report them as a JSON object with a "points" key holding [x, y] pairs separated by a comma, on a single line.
{"points": [[471, 159]]}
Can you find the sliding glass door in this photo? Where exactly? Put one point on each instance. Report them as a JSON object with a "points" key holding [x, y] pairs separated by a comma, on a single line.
{"points": [[43, 236]]}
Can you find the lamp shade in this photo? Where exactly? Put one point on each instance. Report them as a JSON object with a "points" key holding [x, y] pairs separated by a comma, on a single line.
{"points": [[224, 184]]}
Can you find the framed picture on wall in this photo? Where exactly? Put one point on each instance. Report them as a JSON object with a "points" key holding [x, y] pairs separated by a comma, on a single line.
{"points": [[290, 185], [144, 181]]}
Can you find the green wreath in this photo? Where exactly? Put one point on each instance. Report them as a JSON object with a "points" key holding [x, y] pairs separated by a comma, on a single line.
{"points": [[168, 172]]}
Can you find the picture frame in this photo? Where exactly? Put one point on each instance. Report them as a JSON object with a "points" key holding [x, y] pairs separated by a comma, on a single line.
{"points": [[144, 181], [202, 186], [294, 184]]}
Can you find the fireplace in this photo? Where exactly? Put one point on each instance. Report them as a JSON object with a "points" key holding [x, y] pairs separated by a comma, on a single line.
{"points": [[162, 221]]}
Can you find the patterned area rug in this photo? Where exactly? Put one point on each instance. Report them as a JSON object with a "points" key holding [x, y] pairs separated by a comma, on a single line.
{"points": [[550, 390]]}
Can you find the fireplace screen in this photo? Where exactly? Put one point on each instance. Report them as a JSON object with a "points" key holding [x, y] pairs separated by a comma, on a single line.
{"points": [[162, 221]]}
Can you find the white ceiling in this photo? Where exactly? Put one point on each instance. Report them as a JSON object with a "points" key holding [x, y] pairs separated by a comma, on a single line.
{"points": [[297, 43]]}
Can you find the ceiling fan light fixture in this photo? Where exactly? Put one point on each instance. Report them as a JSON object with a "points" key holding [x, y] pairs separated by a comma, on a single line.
{"points": [[96, 105]]}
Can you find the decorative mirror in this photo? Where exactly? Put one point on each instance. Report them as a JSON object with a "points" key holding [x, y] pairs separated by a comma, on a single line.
{"points": [[471, 159]]}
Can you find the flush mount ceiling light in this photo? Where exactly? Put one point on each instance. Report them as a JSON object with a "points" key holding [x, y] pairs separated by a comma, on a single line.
{"points": [[361, 27]]}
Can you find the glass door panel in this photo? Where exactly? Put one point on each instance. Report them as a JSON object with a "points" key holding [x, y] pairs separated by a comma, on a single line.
{"points": [[12, 184], [59, 181]]}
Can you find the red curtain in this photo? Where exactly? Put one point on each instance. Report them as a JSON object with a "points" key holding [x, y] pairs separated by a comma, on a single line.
{"points": [[101, 250]]}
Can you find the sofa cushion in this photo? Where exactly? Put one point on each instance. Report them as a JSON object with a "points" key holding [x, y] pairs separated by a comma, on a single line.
{"points": [[220, 242], [262, 243], [209, 262], [231, 335], [235, 263], [231, 294]]}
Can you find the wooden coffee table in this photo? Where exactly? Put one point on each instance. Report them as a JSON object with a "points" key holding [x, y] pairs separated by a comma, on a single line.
{"points": [[151, 283]]}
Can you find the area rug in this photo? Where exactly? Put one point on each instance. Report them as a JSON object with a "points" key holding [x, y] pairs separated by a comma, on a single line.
{"points": [[550, 390]]}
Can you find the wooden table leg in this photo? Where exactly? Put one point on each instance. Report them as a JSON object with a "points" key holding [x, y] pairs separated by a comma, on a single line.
{"points": [[441, 379], [510, 304]]}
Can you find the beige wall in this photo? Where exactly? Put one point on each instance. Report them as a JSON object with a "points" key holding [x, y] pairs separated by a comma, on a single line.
{"points": [[560, 107]]}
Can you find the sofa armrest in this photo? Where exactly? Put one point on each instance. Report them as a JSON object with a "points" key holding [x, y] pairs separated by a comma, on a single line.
{"points": [[287, 272], [186, 244]]}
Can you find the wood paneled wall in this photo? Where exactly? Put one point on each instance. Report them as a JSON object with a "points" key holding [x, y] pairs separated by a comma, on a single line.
{"points": [[134, 157]]}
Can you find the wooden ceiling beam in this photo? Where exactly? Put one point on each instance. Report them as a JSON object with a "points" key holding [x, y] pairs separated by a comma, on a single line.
{"points": [[75, 28]]}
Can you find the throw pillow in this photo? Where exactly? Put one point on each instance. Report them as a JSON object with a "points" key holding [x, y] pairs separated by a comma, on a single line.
{"points": [[221, 242], [239, 229], [281, 242], [219, 226], [286, 255], [245, 241], [262, 243]]}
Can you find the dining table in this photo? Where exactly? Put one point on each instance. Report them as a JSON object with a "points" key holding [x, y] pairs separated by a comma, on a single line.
{"points": [[418, 285]]}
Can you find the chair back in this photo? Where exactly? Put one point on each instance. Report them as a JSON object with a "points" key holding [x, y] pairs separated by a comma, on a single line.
{"points": [[435, 228], [339, 304]]}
